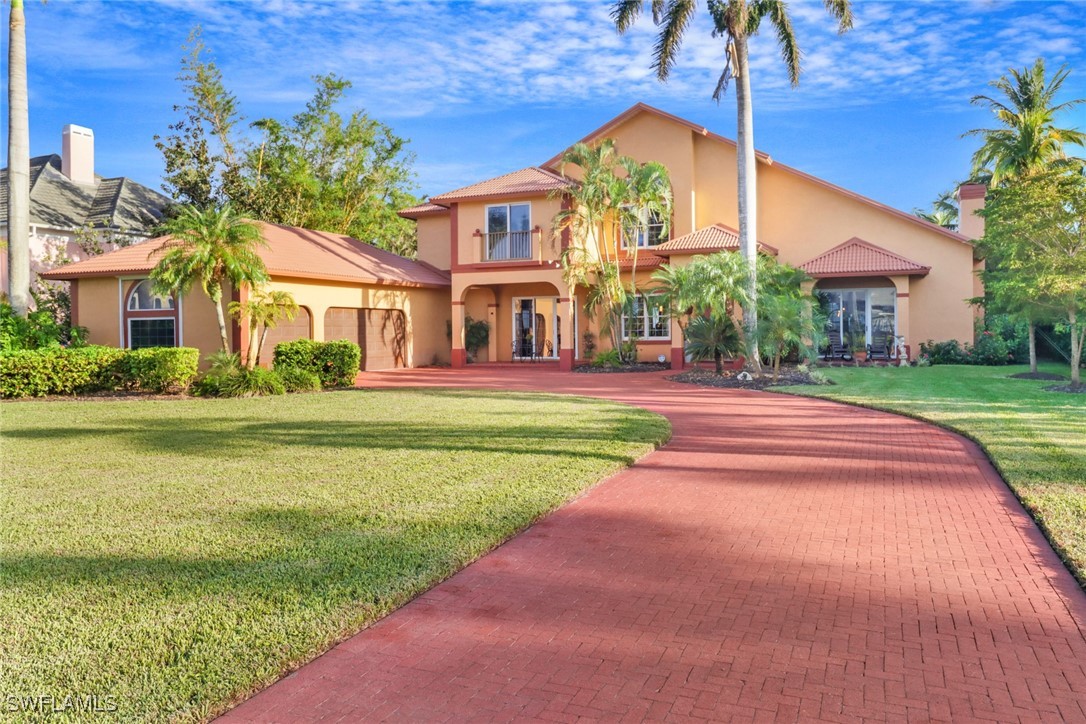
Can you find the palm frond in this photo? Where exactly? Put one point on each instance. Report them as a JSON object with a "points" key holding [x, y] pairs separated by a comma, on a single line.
{"points": [[675, 17]]}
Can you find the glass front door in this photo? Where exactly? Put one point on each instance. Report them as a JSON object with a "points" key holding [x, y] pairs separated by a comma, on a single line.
{"points": [[536, 328]]}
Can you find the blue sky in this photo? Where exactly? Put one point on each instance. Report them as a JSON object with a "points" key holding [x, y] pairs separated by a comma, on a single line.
{"points": [[489, 87]]}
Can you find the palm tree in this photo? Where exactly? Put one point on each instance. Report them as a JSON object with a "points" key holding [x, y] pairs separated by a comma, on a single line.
{"points": [[944, 211], [209, 247], [788, 323], [648, 197], [263, 310], [1028, 138], [712, 338], [735, 21], [18, 164], [1027, 141]]}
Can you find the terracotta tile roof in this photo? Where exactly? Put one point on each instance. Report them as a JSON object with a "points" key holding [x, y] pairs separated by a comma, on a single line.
{"points": [[717, 237], [291, 252], [531, 180], [857, 257], [645, 260], [423, 210], [640, 108]]}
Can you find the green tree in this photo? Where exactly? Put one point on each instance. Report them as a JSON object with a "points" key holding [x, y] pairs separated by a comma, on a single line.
{"points": [[209, 247], [708, 337], [944, 211], [1027, 139], [1037, 227], [736, 21], [200, 154], [323, 171], [263, 310], [787, 322], [597, 212], [18, 164]]}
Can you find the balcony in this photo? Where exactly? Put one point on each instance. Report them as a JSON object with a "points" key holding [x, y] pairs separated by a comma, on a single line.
{"points": [[507, 245]]}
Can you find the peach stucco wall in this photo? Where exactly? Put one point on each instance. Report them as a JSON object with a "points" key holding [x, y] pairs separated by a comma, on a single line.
{"points": [[434, 241], [100, 303]]}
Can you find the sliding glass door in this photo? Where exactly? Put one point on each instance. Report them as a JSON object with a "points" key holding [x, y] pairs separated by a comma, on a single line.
{"points": [[860, 317]]}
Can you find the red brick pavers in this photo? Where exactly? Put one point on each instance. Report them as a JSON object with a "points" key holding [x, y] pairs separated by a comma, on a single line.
{"points": [[780, 559]]}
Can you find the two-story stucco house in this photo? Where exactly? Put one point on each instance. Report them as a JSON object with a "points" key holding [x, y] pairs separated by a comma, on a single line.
{"points": [[486, 251], [884, 272]]}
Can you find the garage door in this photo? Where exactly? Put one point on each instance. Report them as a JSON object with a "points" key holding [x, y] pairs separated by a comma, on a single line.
{"points": [[386, 333], [381, 333], [301, 327]]}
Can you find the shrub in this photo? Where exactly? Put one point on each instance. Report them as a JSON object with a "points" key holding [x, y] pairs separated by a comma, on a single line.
{"points": [[607, 358], [58, 371], [256, 382], [38, 331], [335, 363], [944, 353], [298, 380], [158, 369], [990, 349]]}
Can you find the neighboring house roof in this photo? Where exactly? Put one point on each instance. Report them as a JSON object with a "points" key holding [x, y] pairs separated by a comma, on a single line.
{"points": [[717, 237], [291, 252], [531, 180], [859, 258], [639, 108], [423, 210], [57, 202]]}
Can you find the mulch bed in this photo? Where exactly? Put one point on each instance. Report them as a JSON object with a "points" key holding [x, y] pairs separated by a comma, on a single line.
{"points": [[1073, 389], [639, 367], [709, 378], [1037, 376]]}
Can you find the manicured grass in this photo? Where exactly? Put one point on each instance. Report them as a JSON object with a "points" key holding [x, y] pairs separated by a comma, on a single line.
{"points": [[177, 555], [1037, 439]]}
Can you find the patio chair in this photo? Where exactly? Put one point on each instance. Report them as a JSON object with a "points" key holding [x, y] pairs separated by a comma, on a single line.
{"points": [[837, 349], [880, 346]]}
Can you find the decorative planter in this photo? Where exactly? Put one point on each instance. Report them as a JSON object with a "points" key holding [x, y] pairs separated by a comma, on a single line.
{"points": [[860, 356]]}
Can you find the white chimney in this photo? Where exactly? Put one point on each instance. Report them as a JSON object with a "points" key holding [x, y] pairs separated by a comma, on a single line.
{"points": [[77, 158], [970, 201]]}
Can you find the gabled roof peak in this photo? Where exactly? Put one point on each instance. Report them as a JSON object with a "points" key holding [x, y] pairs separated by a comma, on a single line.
{"points": [[857, 257]]}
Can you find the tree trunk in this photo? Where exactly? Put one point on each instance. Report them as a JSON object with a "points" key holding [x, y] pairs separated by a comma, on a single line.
{"points": [[18, 165], [748, 193], [1032, 347], [260, 346], [251, 353], [1077, 334], [776, 367], [216, 298], [718, 359]]}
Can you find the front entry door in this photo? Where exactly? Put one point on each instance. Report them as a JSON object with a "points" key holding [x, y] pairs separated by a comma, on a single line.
{"points": [[536, 326]]}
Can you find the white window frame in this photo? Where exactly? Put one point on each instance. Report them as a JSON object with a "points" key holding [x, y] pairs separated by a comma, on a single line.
{"points": [[646, 325], [508, 218], [642, 232]]}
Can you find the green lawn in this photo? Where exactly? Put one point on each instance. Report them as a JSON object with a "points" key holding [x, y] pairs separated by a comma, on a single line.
{"points": [[1037, 439], [177, 555]]}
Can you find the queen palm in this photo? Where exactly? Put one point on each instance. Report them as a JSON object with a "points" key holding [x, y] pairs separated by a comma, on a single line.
{"points": [[648, 197], [18, 164], [1027, 138], [1027, 141], [209, 247], [735, 21], [944, 211], [264, 309]]}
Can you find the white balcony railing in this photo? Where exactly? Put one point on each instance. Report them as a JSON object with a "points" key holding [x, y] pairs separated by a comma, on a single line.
{"points": [[507, 245]]}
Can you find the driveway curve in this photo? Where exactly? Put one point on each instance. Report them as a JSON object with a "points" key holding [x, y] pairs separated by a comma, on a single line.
{"points": [[780, 559]]}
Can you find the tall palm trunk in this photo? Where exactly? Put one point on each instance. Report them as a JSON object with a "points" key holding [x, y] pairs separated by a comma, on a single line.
{"points": [[748, 195], [18, 165]]}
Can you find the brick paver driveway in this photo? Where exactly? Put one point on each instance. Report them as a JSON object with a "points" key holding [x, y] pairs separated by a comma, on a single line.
{"points": [[780, 559]]}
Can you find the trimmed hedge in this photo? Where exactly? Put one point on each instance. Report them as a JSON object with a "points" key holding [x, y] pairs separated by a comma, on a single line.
{"points": [[335, 363], [67, 371], [158, 369], [297, 380]]}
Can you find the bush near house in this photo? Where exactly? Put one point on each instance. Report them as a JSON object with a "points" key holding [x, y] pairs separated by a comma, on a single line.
{"points": [[68, 371], [335, 363]]}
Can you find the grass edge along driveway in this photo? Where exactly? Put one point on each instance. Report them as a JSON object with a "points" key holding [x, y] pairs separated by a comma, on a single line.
{"points": [[1036, 439], [176, 556]]}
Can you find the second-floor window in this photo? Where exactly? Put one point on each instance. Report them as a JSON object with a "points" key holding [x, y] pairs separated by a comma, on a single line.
{"points": [[649, 232], [508, 232]]}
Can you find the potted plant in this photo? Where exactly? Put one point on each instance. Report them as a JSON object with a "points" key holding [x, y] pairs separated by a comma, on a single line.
{"points": [[858, 343]]}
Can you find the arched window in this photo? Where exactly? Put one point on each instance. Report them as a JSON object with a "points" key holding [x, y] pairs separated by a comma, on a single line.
{"points": [[150, 319]]}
